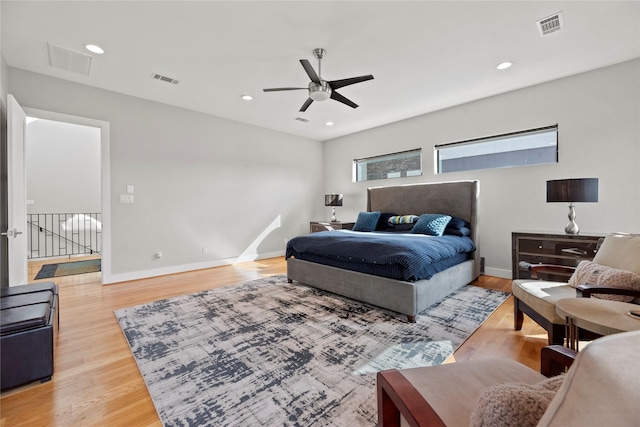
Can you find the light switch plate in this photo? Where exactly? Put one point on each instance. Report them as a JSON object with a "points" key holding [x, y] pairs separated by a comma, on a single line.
{"points": [[126, 198], [130, 189]]}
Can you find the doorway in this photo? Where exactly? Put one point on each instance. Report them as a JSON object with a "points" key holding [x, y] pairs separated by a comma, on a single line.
{"points": [[64, 222], [58, 194]]}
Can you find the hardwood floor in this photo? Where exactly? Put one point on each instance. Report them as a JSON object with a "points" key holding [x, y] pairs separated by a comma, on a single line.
{"points": [[97, 382]]}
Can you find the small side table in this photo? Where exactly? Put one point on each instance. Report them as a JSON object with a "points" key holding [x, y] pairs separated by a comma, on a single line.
{"points": [[316, 226], [603, 317]]}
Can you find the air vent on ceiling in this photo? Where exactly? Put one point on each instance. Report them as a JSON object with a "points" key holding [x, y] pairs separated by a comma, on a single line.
{"points": [[165, 79], [300, 119], [550, 24], [69, 60]]}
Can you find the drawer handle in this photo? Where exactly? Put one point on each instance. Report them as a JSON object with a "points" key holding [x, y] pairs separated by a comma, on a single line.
{"points": [[574, 251]]}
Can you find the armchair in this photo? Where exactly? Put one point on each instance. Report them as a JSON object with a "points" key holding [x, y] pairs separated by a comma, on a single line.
{"points": [[601, 387], [537, 298]]}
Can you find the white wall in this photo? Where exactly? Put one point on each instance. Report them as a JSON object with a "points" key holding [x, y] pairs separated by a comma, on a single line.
{"points": [[63, 167], [200, 181], [598, 114]]}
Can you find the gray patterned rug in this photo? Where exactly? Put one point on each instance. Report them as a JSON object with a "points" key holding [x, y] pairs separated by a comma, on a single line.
{"points": [[270, 353]]}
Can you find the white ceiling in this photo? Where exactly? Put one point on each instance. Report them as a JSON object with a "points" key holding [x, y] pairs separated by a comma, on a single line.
{"points": [[424, 55]]}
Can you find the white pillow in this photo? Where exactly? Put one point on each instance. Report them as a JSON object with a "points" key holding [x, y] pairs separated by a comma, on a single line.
{"points": [[515, 404], [590, 273]]}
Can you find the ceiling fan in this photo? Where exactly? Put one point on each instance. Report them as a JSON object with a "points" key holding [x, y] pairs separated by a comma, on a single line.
{"points": [[321, 90]]}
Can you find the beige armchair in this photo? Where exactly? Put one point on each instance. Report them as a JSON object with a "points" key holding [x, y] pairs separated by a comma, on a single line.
{"points": [[537, 298], [601, 388]]}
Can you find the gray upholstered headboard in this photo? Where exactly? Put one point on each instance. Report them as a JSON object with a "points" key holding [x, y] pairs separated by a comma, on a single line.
{"points": [[455, 198]]}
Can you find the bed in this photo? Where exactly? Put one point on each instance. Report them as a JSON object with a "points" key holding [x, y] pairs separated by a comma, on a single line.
{"points": [[410, 297]]}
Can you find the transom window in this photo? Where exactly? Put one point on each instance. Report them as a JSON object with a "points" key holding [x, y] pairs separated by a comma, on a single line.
{"points": [[394, 165], [523, 148]]}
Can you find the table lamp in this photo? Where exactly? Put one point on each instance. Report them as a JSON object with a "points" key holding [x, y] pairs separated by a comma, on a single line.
{"points": [[333, 200], [572, 191]]}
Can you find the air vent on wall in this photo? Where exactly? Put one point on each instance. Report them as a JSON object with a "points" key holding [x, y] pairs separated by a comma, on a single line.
{"points": [[300, 119], [550, 24], [165, 79]]}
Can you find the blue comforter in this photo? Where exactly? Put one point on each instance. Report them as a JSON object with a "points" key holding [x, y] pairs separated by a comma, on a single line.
{"points": [[401, 256]]}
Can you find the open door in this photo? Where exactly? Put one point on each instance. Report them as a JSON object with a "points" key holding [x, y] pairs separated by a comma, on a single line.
{"points": [[16, 232]]}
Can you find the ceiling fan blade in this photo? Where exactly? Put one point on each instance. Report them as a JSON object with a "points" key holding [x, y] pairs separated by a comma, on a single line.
{"points": [[275, 89], [310, 71], [306, 105], [336, 96], [337, 84]]}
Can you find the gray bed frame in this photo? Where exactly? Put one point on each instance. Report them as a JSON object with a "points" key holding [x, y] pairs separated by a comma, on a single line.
{"points": [[457, 198]]}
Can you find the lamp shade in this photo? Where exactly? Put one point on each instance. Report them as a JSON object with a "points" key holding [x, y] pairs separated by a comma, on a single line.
{"points": [[333, 199], [573, 190]]}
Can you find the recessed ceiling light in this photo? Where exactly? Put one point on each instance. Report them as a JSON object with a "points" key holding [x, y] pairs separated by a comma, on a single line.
{"points": [[504, 65], [95, 49], [329, 123], [247, 97]]}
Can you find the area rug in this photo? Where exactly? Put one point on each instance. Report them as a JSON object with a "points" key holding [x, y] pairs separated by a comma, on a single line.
{"points": [[271, 353], [69, 268]]}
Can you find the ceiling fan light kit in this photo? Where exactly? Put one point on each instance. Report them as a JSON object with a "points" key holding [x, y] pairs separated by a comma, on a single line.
{"points": [[319, 89], [319, 92]]}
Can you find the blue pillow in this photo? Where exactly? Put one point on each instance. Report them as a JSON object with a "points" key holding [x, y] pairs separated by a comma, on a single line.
{"points": [[462, 231], [431, 224], [402, 227], [458, 223], [366, 221], [383, 223]]}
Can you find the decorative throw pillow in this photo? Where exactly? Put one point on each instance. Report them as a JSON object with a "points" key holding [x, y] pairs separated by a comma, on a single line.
{"points": [[590, 273], [431, 224], [518, 404], [366, 221], [403, 219]]}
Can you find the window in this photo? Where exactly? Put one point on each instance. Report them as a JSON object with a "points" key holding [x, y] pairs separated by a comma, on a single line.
{"points": [[528, 147], [394, 165]]}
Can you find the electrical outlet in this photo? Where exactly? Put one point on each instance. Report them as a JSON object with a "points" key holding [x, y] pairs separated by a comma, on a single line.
{"points": [[204, 251]]}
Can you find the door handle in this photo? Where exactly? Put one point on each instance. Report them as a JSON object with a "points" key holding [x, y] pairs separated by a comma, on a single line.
{"points": [[12, 233]]}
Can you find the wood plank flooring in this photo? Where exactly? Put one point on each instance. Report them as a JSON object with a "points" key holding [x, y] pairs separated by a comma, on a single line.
{"points": [[97, 382]]}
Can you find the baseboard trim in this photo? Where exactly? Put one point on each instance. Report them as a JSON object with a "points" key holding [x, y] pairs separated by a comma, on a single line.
{"points": [[156, 272], [498, 272]]}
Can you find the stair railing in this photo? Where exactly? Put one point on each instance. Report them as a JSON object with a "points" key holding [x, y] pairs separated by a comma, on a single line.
{"points": [[63, 234]]}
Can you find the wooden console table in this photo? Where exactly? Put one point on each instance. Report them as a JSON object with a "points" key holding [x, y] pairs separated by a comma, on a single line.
{"points": [[540, 247]]}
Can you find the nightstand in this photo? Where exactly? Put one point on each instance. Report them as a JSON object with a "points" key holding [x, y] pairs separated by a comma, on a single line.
{"points": [[538, 247], [317, 226]]}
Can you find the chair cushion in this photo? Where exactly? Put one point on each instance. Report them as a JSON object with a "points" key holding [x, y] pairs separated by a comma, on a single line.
{"points": [[590, 273], [515, 404], [541, 296], [453, 389]]}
